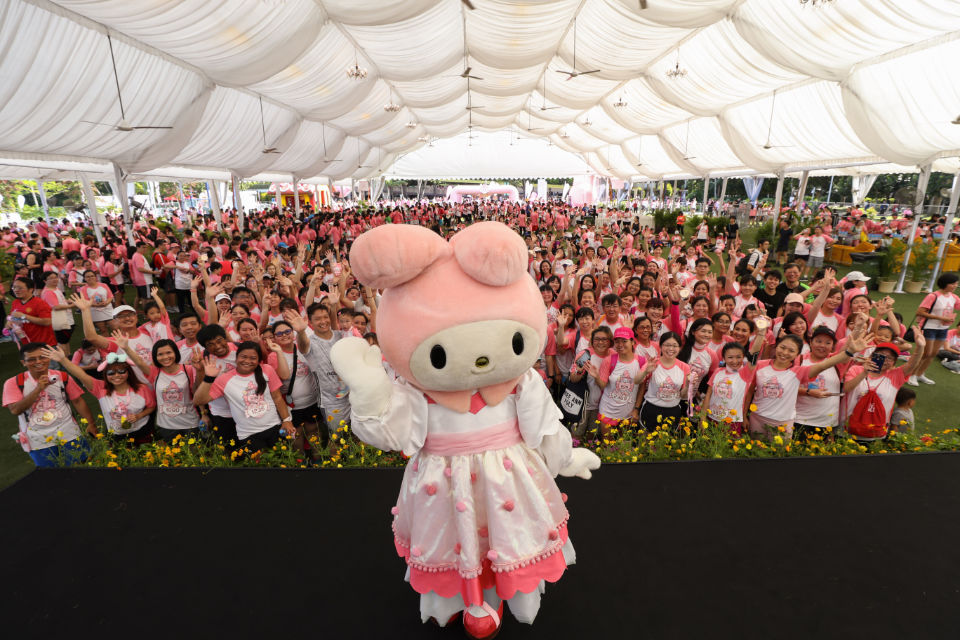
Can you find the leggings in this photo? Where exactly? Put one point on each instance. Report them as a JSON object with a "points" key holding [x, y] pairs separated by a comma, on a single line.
{"points": [[649, 413]]}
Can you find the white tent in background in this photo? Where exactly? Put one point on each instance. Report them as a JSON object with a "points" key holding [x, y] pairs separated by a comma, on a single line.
{"points": [[662, 89]]}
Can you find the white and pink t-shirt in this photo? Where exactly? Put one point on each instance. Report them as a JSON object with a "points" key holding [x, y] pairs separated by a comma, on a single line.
{"points": [[219, 406], [51, 411], [99, 294], [776, 391], [886, 385], [648, 353], [174, 394], [115, 407], [252, 412], [940, 304], [665, 384], [305, 390], [832, 322], [820, 412], [137, 277], [703, 362], [729, 393], [620, 395]]}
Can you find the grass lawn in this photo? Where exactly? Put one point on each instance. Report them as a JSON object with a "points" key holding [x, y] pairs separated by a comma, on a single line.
{"points": [[934, 410]]}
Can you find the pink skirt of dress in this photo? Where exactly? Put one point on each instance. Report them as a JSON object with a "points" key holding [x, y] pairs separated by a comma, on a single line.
{"points": [[480, 510]]}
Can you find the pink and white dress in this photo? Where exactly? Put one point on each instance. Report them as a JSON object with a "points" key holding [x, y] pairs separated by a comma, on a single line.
{"points": [[478, 507]]}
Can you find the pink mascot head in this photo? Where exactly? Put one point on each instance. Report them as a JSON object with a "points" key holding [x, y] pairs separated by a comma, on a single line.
{"points": [[455, 317]]}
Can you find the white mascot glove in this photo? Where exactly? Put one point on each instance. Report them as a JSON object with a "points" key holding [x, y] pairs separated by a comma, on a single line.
{"points": [[359, 364], [582, 461]]}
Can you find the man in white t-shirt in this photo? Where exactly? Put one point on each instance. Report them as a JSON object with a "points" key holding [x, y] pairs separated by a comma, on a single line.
{"points": [[42, 400]]}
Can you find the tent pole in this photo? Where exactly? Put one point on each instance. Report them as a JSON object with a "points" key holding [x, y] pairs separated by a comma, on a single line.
{"points": [[723, 194], [43, 200], [777, 202], [945, 237], [215, 203], [923, 179], [830, 190], [92, 207], [802, 189], [296, 198], [236, 201], [124, 202]]}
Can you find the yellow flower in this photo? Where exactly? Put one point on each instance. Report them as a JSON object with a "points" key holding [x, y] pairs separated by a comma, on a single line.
{"points": [[753, 407], [83, 421], [778, 439], [191, 440], [733, 412], [749, 446]]}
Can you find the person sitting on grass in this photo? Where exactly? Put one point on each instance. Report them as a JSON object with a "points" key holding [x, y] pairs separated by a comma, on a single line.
{"points": [[42, 400]]}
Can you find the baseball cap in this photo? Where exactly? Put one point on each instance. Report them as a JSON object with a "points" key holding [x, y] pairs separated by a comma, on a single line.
{"points": [[856, 275], [222, 296], [623, 333], [890, 346], [793, 297], [124, 307]]}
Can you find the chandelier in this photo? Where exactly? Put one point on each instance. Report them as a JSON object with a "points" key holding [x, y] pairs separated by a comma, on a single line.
{"points": [[411, 125], [392, 107], [564, 134], [424, 138], [620, 103], [586, 122], [676, 73], [356, 72], [816, 3]]}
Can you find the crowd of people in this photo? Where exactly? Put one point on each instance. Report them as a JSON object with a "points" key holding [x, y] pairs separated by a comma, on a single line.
{"points": [[223, 328]]}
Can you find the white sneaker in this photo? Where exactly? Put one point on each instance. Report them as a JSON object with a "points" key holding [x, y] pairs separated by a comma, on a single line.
{"points": [[912, 381], [925, 380]]}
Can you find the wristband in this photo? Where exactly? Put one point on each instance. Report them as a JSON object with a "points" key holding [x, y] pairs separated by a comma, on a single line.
{"points": [[287, 419], [209, 379], [849, 355]]}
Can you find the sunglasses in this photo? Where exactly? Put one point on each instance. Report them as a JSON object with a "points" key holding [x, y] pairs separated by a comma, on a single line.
{"points": [[282, 333], [116, 372]]}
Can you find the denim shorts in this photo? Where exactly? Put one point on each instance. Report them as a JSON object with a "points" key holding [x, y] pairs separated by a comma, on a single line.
{"points": [[935, 334]]}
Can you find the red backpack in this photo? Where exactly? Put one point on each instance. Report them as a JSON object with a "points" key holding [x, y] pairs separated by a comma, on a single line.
{"points": [[869, 417]]}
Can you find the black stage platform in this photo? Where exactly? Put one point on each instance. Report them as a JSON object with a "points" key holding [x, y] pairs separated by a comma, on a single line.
{"points": [[809, 548]]}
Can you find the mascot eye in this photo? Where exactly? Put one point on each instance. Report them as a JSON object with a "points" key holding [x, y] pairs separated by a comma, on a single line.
{"points": [[438, 357], [517, 343]]}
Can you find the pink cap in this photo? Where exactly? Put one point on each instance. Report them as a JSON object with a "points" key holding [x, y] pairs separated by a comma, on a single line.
{"points": [[624, 333]]}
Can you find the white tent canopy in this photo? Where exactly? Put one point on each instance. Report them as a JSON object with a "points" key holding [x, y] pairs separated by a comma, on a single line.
{"points": [[488, 155], [770, 86]]}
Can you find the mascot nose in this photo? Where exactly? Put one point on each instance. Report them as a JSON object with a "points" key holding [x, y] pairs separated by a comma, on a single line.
{"points": [[482, 361]]}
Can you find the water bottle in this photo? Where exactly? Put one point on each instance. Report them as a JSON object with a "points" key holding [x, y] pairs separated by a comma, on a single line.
{"points": [[18, 328]]}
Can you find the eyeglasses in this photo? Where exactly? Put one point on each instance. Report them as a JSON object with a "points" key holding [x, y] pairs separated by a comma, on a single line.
{"points": [[601, 339], [36, 359], [116, 372], [285, 332]]}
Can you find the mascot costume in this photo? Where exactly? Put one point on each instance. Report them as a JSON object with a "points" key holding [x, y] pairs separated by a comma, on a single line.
{"points": [[479, 519]]}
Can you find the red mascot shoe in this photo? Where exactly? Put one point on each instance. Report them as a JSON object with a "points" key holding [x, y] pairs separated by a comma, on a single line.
{"points": [[486, 627]]}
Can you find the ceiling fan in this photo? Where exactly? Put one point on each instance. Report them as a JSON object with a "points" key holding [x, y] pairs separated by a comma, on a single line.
{"points": [[466, 58], [470, 105], [323, 135], [544, 106], [123, 125], [263, 131], [530, 126], [767, 144], [361, 166], [574, 73]]}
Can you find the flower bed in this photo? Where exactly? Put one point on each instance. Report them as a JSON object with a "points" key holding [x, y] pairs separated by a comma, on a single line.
{"points": [[623, 444]]}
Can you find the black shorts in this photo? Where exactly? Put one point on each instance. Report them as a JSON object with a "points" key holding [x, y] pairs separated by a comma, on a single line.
{"points": [[305, 415], [143, 291], [64, 335], [224, 428], [262, 440]]}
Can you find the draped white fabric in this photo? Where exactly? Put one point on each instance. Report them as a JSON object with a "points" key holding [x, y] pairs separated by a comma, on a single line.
{"points": [[770, 86]]}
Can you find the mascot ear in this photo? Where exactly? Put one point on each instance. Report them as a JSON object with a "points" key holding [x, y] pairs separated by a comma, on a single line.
{"points": [[491, 253], [389, 255]]}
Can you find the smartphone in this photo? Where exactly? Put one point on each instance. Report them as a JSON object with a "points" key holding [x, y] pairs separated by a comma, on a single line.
{"points": [[878, 359], [583, 359]]}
